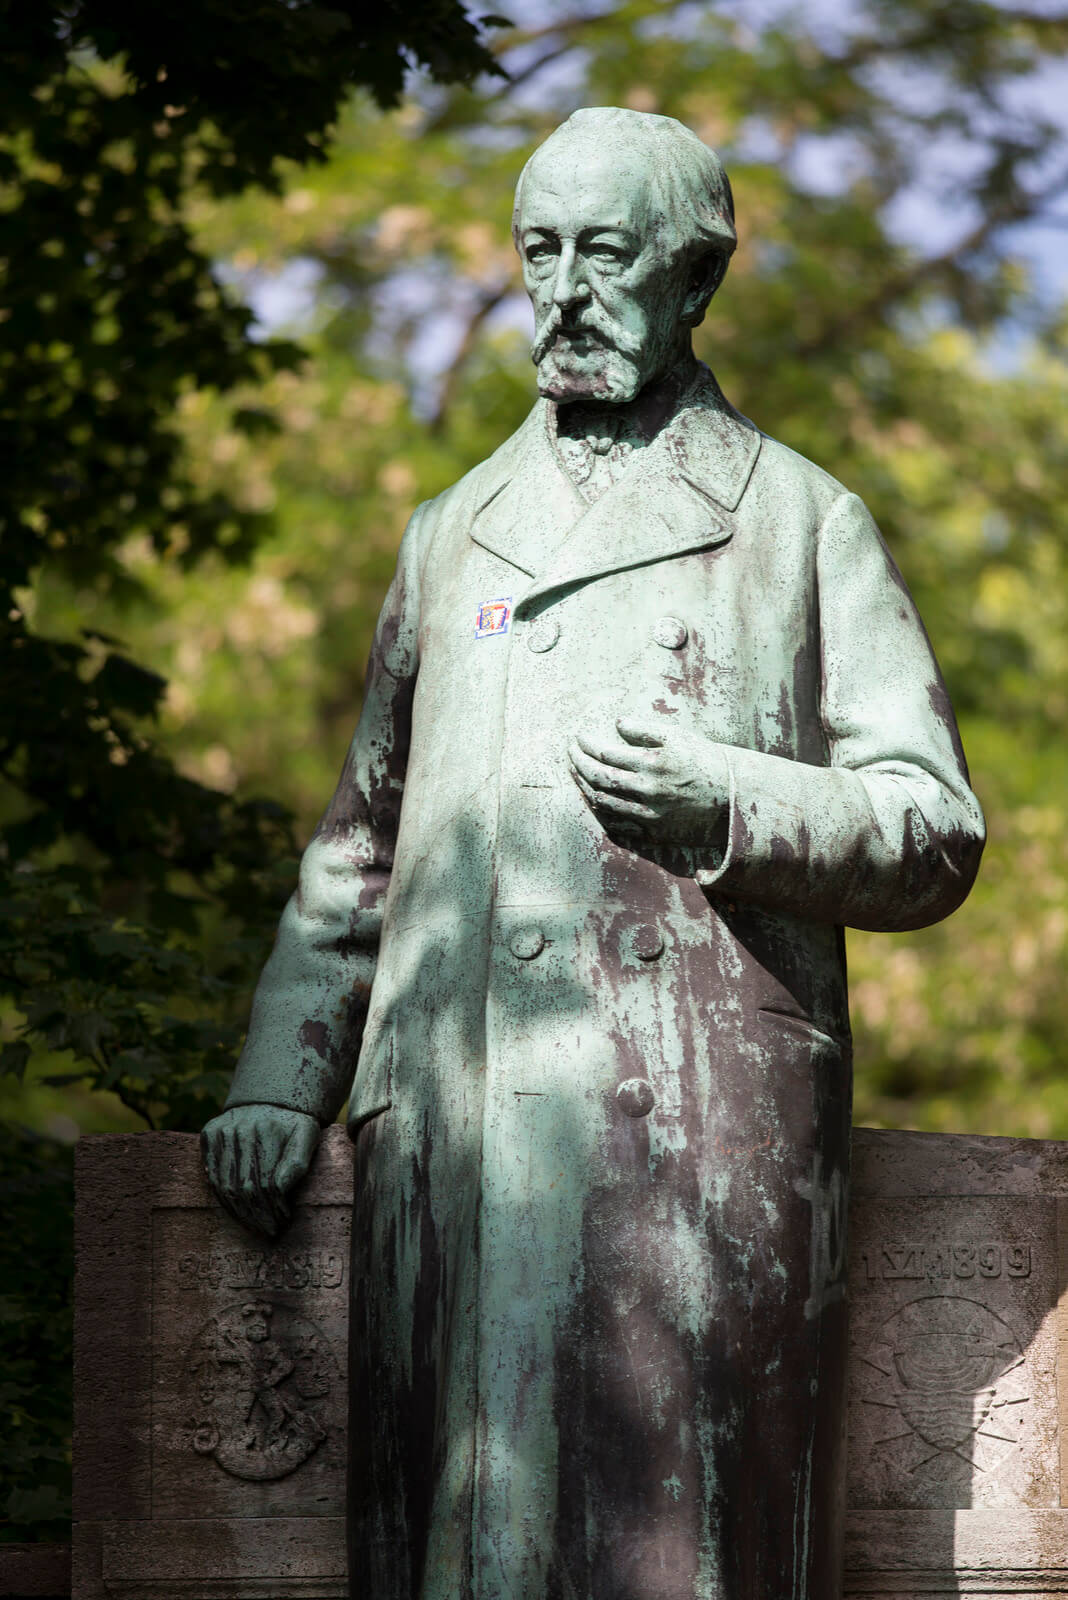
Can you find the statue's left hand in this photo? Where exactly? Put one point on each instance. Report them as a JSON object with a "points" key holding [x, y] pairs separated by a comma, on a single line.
{"points": [[254, 1157], [665, 781]]}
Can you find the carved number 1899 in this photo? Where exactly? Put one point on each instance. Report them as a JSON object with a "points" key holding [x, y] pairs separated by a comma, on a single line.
{"points": [[896, 1261]]}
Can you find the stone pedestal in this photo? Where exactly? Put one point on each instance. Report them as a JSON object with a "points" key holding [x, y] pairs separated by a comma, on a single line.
{"points": [[209, 1445], [958, 1460], [210, 1376]]}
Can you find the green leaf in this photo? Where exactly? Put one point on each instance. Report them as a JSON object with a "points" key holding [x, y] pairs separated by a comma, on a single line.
{"points": [[14, 1058], [128, 687]]}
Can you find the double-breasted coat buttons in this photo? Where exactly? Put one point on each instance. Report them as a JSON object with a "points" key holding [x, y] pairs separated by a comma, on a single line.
{"points": [[671, 632], [543, 634], [635, 1097], [647, 942]]}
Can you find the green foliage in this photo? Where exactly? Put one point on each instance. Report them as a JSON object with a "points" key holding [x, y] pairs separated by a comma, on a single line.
{"points": [[111, 116], [137, 901], [36, 1269]]}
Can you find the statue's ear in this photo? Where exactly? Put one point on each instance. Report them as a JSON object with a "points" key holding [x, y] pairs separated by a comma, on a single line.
{"points": [[705, 276]]}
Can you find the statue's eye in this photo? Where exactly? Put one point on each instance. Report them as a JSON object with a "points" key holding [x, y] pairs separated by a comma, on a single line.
{"points": [[608, 254]]}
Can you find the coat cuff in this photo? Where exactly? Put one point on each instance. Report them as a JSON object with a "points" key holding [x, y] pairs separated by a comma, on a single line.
{"points": [[237, 1102], [708, 877]]}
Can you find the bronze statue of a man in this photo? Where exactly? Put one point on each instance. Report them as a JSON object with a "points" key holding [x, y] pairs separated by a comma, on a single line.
{"points": [[650, 716]]}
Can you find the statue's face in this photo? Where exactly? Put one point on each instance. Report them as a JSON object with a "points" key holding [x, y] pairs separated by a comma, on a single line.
{"points": [[606, 291]]}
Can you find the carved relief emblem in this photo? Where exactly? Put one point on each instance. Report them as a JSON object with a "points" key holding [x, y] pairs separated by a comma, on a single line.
{"points": [[948, 1376], [257, 1378]]}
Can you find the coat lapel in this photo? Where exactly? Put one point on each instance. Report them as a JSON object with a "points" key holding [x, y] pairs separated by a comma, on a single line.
{"points": [[675, 498], [711, 446], [530, 505]]}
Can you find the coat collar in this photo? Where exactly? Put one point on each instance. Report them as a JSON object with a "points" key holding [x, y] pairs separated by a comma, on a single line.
{"points": [[674, 498], [711, 446], [529, 504]]}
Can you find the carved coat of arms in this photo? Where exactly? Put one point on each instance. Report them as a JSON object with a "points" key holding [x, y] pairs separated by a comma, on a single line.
{"points": [[257, 1378], [948, 1377]]}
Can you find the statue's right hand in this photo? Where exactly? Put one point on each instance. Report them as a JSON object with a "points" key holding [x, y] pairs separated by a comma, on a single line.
{"points": [[254, 1157]]}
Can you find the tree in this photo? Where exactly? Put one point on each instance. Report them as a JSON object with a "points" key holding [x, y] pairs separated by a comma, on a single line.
{"points": [[136, 901]]}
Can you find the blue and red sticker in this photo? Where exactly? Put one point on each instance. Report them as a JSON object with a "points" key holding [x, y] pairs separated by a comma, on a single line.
{"points": [[493, 617]]}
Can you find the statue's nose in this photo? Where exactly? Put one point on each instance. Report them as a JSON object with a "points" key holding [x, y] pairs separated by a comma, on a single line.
{"points": [[570, 288]]}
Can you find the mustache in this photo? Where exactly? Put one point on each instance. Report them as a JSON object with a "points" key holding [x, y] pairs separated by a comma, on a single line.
{"points": [[590, 324]]}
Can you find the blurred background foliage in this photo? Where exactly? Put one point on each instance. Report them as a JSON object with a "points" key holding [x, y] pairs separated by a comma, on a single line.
{"points": [[255, 315]]}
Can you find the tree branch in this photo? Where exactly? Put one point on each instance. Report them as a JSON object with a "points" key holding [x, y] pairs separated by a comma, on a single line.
{"points": [[487, 303], [547, 57], [566, 26], [549, 30], [131, 1105], [902, 283], [103, 1059], [933, 35]]}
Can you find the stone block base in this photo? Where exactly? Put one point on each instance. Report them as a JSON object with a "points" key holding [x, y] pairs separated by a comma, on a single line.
{"points": [[210, 1382], [210, 1376], [958, 1460]]}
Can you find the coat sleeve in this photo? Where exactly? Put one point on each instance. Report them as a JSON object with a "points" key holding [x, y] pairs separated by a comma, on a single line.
{"points": [[310, 1006], [888, 835]]}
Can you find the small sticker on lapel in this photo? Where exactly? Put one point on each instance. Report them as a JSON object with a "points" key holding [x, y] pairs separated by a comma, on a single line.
{"points": [[492, 617]]}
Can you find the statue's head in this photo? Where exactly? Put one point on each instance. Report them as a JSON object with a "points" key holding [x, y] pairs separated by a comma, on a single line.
{"points": [[624, 223]]}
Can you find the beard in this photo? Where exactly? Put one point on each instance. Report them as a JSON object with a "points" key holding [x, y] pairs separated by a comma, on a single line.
{"points": [[591, 360]]}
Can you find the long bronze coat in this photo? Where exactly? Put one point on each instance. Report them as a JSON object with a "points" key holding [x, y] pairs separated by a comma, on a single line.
{"points": [[601, 1112]]}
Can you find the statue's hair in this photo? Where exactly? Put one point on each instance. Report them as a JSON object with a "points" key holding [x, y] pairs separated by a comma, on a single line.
{"points": [[689, 187]]}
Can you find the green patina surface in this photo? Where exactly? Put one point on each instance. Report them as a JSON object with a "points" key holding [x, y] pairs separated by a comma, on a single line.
{"points": [[650, 716]]}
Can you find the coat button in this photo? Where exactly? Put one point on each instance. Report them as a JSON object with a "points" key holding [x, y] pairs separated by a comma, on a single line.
{"points": [[670, 632], [526, 943], [648, 942], [636, 1097], [543, 634]]}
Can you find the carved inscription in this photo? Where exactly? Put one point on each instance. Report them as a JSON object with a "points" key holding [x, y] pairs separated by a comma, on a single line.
{"points": [[258, 1269], [953, 1341], [258, 1380], [989, 1259]]}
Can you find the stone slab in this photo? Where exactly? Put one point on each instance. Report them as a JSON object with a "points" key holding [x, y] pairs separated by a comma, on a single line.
{"points": [[210, 1375], [210, 1381], [957, 1480]]}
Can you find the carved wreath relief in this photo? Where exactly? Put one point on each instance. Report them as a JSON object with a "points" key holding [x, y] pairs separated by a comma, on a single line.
{"points": [[948, 1377], [257, 1380]]}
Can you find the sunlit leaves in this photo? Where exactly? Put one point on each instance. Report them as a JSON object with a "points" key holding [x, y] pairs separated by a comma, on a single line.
{"points": [[138, 899]]}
